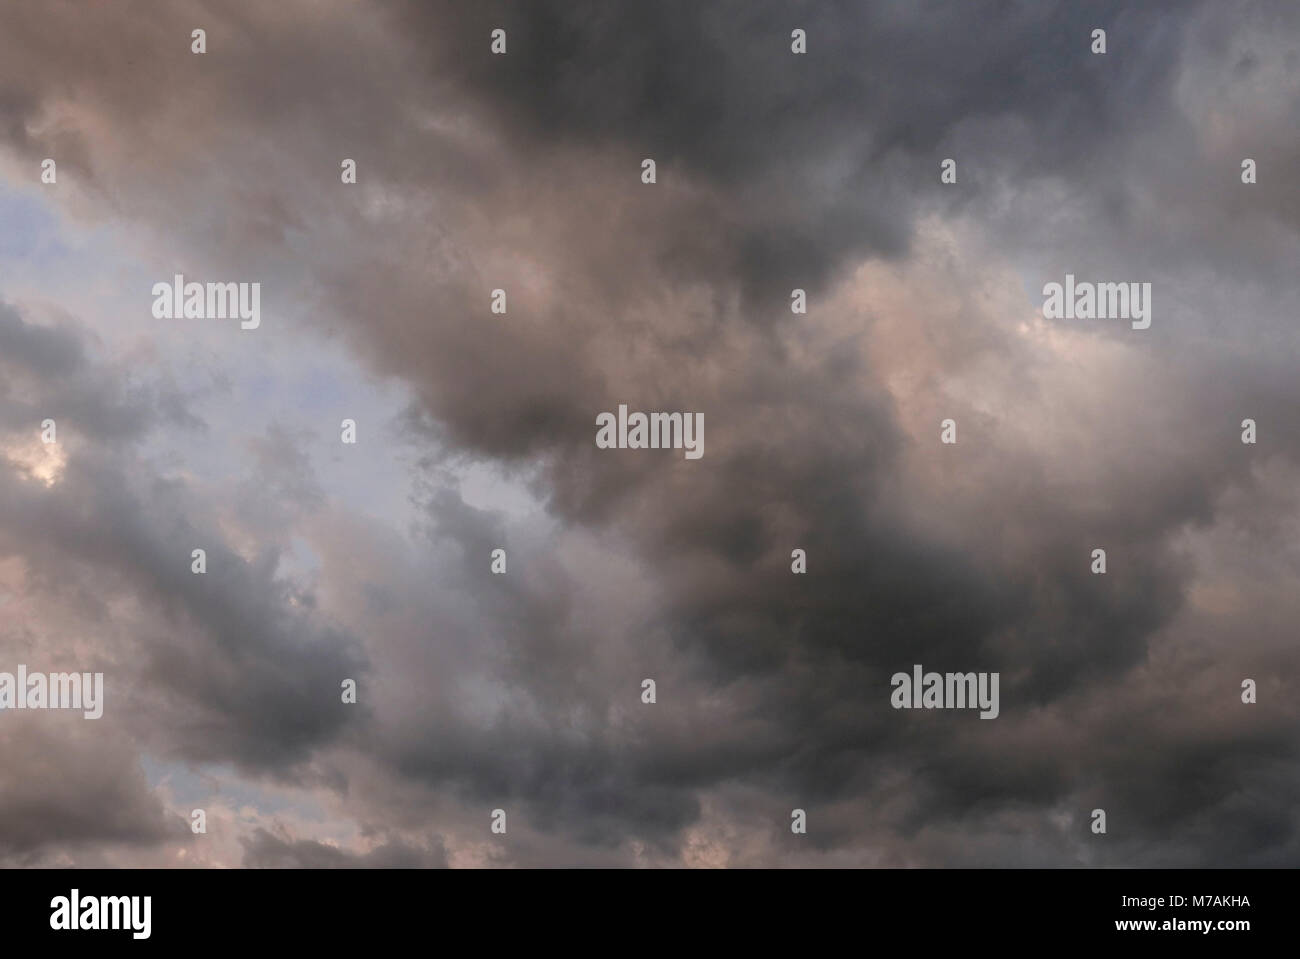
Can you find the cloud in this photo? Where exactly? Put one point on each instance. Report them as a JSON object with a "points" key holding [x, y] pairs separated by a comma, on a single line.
{"points": [[244, 674], [776, 171], [69, 788], [264, 851]]}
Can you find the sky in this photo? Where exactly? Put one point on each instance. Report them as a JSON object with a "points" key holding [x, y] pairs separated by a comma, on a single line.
{"points": [[522, 691]]}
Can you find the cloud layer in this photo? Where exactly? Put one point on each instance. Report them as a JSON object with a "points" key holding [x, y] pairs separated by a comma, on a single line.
{"points": [[775, 171]]}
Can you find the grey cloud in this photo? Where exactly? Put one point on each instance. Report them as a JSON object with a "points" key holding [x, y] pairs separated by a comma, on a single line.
{"points": [[71, 787], [263, 850], [775, 172], [236, 672]]}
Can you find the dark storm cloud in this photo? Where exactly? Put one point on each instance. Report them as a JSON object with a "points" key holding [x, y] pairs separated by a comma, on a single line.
{"points": [[40, 350], [549, 749], [242, 674], [72, 785], [251, 680], [262, 850], [775, 171], [824, 156], [45, 373]]}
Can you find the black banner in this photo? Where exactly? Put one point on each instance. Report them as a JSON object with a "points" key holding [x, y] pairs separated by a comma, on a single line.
{"points": [[978, 909]]}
